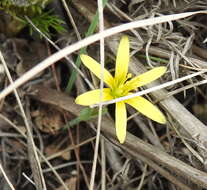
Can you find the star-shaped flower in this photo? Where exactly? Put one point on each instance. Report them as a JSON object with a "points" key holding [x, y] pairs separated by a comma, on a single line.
{"points": [[119, 86]]}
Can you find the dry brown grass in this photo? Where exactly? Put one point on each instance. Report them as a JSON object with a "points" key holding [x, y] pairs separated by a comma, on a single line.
{"points": [[37, 151]]}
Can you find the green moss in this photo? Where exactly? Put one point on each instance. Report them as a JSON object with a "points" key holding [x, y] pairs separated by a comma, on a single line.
{"points": [[23, 7]]}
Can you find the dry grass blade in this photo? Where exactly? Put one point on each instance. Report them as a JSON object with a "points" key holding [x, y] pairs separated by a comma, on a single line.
{"points": [[70, 49], [101, 29], [139, 147], [57, 48], [152, 89], [71, 19], [33, 156], [135, 146], [6, 178], [159, 162], [160, 169], [39, 152], [192, 126]]}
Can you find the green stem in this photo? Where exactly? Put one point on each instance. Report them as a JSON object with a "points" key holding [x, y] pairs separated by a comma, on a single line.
{"points": [[90, 31]]}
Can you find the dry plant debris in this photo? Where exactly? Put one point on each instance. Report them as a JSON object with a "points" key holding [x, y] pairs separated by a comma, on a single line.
{"points": [[56, 148]]}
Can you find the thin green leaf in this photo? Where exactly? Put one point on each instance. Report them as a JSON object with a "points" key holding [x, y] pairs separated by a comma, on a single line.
{"points": [[90, 31], [86, 114]]}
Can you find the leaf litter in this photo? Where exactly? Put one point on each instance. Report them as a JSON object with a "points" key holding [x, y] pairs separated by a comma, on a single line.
{"points": [[153, 156]]}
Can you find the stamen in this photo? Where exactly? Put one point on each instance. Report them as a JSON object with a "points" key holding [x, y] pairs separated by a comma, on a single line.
{"points": [[129, 75]]}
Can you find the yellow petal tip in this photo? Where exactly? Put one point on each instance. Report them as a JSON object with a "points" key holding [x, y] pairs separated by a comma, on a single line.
{"points": [[124, 37], [121, 140], [163, 68], [161, 119], [83, 56], [121, 121], [77, 100], [160, 70]]}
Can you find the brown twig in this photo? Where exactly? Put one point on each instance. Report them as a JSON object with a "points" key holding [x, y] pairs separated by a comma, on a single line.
{"points": [[134, 144]]}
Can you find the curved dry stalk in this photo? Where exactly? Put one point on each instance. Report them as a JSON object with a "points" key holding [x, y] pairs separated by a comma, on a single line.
{"points": [[71, 19], [135, 146], [70, 49], [192, 126], [32, 150], [101, 29], [39, 152], [152, 89], [6, 178]]}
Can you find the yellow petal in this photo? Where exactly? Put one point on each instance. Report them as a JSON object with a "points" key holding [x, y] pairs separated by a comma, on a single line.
{"points": [[93, 97], [147, 108], [122, 60], [121, 121], [145, 78], [95, 68]]}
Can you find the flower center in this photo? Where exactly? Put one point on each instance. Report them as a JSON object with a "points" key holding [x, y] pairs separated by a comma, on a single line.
{"points": [[117, 92], [117, 89]]}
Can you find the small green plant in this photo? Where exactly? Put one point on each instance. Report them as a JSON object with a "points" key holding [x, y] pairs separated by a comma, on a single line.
{"points": [[34, 10], [44, 22], [86, 114]]}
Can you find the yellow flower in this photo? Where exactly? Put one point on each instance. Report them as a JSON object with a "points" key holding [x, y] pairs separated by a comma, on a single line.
{"points": [[119, 86]]}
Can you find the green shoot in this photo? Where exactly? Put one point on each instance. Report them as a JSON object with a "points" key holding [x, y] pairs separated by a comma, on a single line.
{"points": [[44, 22], [90, 31], [155, 59], [86, 114]]}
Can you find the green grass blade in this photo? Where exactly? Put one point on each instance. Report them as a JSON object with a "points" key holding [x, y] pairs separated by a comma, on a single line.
{"points": [[86, 114], [90, 31]]}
